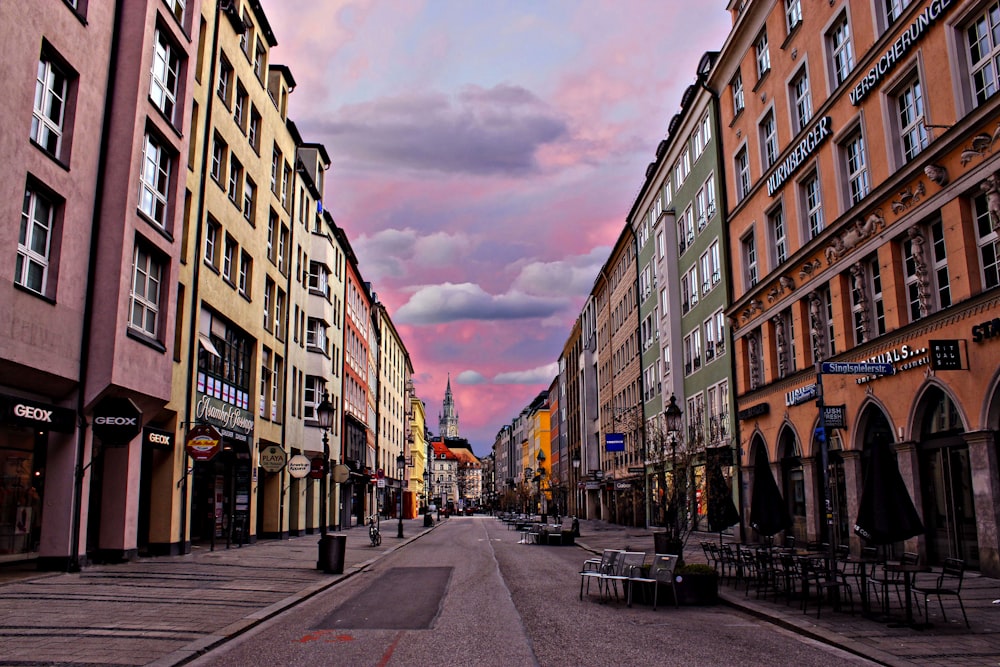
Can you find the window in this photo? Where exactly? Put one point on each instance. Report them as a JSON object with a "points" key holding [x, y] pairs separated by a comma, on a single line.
{"points": [[742, 174], [316, 334], [710, 338], [776, 221], [246, 274], [253, 130], [842, 54], [769, 139], [692, 352], [736, 86], [821, 324], [258, 61], [144, 307], [249, 200], [219, 150], [910, 107], [319, 279], [983, 36], [866, 300], [48, 115], [686, 288], [857, 167], [282, 248], [693, 281], [34, 242], [989, 244], [710, 197], [177, 9], [240, 107], [275, 169], [312, 395], [212, 231], [279, 314], [715, 264], [763, 55], [225, 83], [894, 9], [706, 271], [235, 180], [784, 342], [720, 333], [228, 255], [802, 100], [268, 300], [154, 180], [683, 167], [813, 204], [925, 270], [163, 83], [793, 14], [749, 260]]}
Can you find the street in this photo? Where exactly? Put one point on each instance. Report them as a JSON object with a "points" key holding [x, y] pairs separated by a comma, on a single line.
{"points": [[468, 593]]}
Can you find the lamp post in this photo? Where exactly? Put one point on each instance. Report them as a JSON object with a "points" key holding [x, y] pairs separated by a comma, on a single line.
{"points": [[674, 425], [401, 466], [576, 483], [324, 415]]}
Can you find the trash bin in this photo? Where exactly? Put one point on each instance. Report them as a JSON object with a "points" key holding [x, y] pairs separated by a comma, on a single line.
{"points": [[331, 553], [428, 520]]}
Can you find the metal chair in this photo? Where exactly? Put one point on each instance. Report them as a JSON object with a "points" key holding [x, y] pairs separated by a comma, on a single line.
{"points": [[596, 568], [661, 571], [949, 582]]}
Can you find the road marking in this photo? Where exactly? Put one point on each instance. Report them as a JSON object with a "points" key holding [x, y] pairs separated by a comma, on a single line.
{"points": [[324, 636]]}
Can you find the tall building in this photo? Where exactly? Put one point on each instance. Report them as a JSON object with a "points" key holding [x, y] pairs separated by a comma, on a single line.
{"points": [[859, 147], [448, 419]]}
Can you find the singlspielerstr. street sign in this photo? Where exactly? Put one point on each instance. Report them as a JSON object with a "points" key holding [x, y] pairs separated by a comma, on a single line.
{"points": [[856, 368]]}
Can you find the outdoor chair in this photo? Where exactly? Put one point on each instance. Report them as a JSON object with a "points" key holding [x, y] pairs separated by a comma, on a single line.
{"points": [[767, 575], [711, 554], [596, 568], [949, 582], [789, 573], [624, 565], [748, 565], [661, 571], [729, 563], [829, 585], [884, 579]]}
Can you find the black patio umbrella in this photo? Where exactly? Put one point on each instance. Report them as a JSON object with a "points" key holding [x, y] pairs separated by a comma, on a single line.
{"points": [[768, 512], [722, 512], [886, 513]]}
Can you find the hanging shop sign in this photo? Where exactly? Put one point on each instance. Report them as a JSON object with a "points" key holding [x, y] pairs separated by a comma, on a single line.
{"points": [[203, 442], [946, 355], [273, 458], [819, 133], [341, 473], [800, 395], [317, 466], [233, 423], [40, 416], [116, 420], [898, 49], [835, 416], [753, 411], [299, 466], [614, 442], [157, 438]]}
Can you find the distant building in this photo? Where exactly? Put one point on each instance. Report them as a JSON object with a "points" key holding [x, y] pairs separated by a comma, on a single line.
{"points": [[448, 419]]}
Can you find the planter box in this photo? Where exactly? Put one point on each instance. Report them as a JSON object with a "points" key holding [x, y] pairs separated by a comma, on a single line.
{"points": [[697, 589]]}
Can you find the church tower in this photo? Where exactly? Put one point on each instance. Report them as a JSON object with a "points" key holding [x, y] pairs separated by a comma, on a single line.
{"points": [[448, 420]]}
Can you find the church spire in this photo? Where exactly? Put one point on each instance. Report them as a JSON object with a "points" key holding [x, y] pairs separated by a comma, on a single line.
{"points": [[448, 419]]}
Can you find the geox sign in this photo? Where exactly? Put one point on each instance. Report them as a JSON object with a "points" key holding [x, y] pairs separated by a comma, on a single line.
{"points": [[116, 420]]}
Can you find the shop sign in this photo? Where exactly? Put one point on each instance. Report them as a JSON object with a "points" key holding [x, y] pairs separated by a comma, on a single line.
{"points": [[906, 356], [273, 458], [117, 420], [946, 355], [753, 411], [299, 466], [636, 470], [341, 473], [317, 467], [817, 135], [800, 395], [621, 486], [986, 330], [41, 416], [835, 416], [157, 438], [614, 442], [593, 486], [898, 50], [232, 422], [203, 442]]}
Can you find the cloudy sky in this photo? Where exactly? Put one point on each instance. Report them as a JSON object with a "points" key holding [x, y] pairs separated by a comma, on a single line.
{"points": [[485, 155]]}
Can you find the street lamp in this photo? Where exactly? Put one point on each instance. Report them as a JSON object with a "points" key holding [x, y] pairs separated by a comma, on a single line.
{"points": [[324, 415], [674, 425], [576, 480], [401, 466]]}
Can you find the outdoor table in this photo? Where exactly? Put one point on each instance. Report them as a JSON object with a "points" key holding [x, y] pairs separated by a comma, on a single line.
{"points": [[909, 571], [862, 562]]}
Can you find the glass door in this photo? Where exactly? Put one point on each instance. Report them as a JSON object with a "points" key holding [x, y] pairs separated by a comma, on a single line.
{"points": [[949, 512]]}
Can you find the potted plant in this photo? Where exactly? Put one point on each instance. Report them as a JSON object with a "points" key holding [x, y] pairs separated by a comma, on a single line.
{"points": [[696, 584]]}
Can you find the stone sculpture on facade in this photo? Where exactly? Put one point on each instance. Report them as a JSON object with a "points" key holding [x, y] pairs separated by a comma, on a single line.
{"points": [[852, 237]]}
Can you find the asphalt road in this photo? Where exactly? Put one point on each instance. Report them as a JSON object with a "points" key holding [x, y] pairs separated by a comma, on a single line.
{"points": [[468, 594]]}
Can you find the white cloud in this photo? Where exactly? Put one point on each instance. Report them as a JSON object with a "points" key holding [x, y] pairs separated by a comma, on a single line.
{"points": [[394, 253], [451, 302], [541, 375], [571, 277], [470, 377]]}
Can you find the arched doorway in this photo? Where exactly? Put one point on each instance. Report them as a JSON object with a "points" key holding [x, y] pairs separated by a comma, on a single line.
{"points": [[838, 489], [874, 428], [793, 482], [946, 479]]}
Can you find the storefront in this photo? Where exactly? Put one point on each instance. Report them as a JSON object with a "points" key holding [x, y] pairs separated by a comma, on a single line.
{"points": [[25, 426]]}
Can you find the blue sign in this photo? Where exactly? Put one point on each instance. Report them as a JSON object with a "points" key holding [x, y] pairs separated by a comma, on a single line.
{"points": [[614, 442], [856, 368]]}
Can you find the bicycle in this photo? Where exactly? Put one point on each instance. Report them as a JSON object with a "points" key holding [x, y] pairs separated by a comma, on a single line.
{"points": [[374, 534]]}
